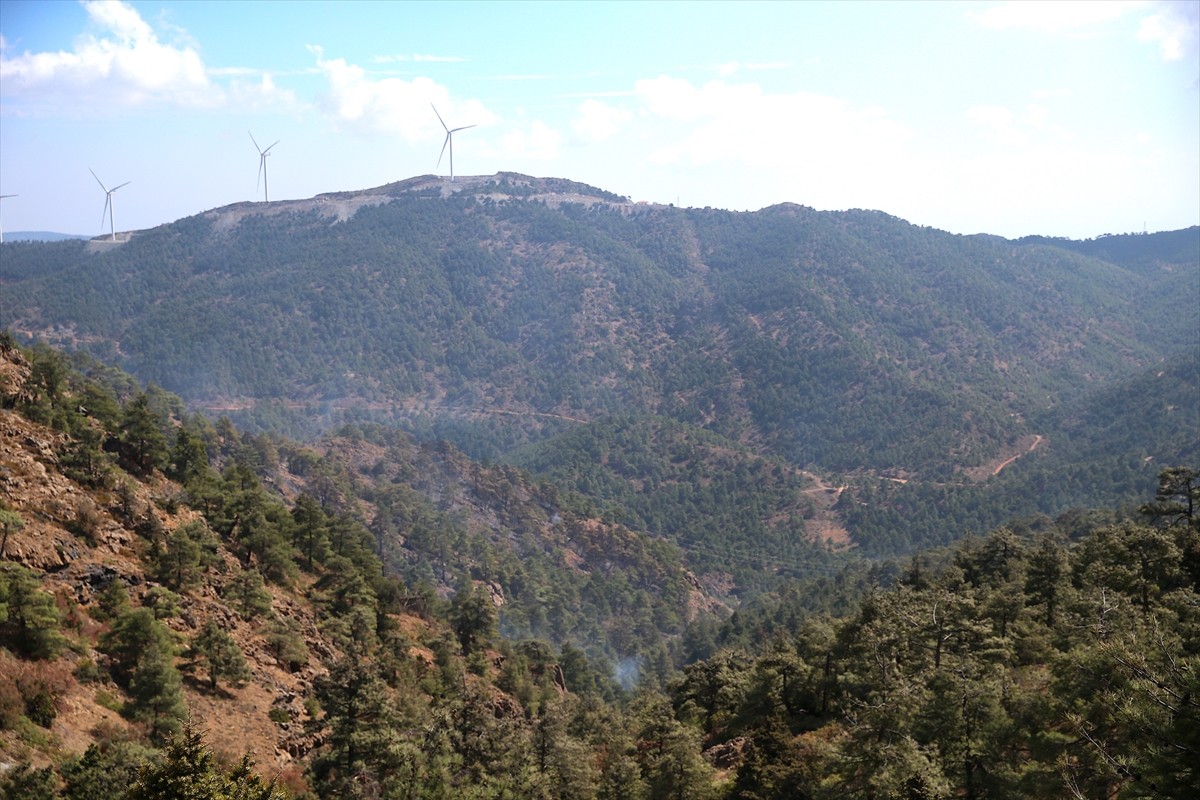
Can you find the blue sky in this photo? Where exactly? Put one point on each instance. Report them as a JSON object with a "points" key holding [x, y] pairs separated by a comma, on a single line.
{"points": [[1070, 119]]}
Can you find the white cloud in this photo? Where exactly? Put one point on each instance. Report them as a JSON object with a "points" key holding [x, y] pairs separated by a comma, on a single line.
{"points": [[124, 62], [1175, 27], [393, 105], [1172, 24], [264, 95], [1013, 129], [1054, 15], [538, 142], [597, 121], [740, 123]]}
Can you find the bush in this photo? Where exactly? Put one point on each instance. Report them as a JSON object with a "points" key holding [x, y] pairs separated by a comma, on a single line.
{"points": [[163, 602], [88, 519], [12, 705]]}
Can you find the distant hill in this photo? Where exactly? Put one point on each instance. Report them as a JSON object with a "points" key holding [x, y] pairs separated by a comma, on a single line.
{"points": [[40, 236], [504, 313], [1158, 251]]}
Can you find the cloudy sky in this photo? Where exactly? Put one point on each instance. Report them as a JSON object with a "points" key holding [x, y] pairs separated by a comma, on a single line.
{"points": [[1061, 118]]}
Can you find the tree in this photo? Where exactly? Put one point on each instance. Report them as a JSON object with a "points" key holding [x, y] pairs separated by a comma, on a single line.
{"points": [[141, 433], [286, 643], [248, 594], [1133, 707], [190, 772], [360, 719], [29, 618], [1175, 506], [669, 753], [219, 655], [103, 772], [562, 760], [143, 656], [1046, 577], [189, 459], [774, 768], [23, 782], [473, 617], [178, 564], [1177, 498], [310, 530], [156, 692], [1138, 560]]}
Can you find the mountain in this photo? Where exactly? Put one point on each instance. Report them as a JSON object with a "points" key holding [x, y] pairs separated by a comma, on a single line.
{"points": [[516, 316], [254, 595], [192, 611]]}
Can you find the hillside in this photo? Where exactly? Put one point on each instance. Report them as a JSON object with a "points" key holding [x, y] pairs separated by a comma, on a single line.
{"points": [[106, 561], [157, 569], [502, 312]]}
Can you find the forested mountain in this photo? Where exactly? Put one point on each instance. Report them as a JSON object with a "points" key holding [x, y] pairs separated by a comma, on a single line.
{"points": [[517, 317], [192, 612]]}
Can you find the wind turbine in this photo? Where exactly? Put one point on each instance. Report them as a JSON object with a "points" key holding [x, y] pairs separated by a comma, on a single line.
{"points": [[449, 142], [2, 196], [108, 204], [262, 166]]}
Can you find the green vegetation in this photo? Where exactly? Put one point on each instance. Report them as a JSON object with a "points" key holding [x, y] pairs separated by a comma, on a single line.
{"points": [[850, 344], [640, 613]]}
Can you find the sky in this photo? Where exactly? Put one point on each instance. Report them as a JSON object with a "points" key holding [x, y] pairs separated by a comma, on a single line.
{"points": [[1071, 119]]}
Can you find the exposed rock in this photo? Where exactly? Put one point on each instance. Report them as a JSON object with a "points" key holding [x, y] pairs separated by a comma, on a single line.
{"points": [[728, 755]]}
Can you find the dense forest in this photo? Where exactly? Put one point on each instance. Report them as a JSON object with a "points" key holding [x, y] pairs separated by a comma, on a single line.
{"points": [[949, 383], [163, 575]]}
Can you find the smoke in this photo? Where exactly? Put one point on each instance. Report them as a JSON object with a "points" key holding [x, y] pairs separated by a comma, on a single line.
{"points": [[627, 672]]}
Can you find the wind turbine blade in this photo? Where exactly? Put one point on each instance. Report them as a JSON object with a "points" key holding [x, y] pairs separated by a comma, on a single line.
{"points": [[439, 116], [256, 147], [126, 183], [444, 143], [269, 148], [463, 128], [262, 167], [104, 213], [97, 179]]}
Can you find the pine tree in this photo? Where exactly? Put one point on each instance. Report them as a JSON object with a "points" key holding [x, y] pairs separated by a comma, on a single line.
{"points": [[144, 662], [29, 618], [473, 616], [141, 433], [218, 654], [189, 460], [360, 721], [103, 772], [178, 563], [190, 772], [248, 594], [156, 693]]}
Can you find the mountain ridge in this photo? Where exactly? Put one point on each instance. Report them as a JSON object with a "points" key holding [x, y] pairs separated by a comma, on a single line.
{"points": [[500, 311]]}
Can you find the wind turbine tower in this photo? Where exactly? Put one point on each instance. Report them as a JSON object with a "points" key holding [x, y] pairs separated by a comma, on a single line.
{"points": [[2, 196], [262, 166], [108, 204], [449, 141]]}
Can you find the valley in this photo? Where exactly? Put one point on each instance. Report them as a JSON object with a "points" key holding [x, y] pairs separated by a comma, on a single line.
{"points": [[515, 487]]}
